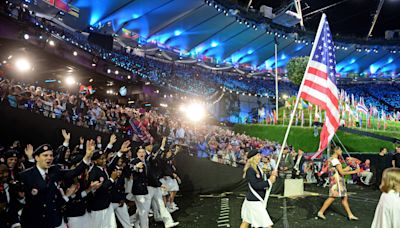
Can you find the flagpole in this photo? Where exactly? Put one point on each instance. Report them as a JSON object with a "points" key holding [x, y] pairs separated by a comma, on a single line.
{"points": [[285, 139], [276, 79], [328, 150], [294, 110]]}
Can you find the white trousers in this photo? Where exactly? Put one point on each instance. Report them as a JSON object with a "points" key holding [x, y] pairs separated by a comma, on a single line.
{"points": [[160, 211], [141, 217], [122, 214], [79, 221], [103, 218], [63, 225], [368, 176]]}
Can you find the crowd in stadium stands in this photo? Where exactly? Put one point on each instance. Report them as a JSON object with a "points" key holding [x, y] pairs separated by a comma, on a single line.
{"points": [[186, 78], [387, 93], [359, 91], [382, 96], [189, 78], [220, 145]]}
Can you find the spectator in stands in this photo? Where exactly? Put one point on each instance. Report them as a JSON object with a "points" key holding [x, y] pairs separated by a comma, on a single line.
{"points": [[180, 134]]}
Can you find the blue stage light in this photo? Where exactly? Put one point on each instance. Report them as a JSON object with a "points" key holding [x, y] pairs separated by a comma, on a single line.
{"points": [[177, 32]]}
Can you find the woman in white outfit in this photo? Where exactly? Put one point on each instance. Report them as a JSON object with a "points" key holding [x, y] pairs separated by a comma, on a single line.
{"points": [[254, 210], [387, 213]]}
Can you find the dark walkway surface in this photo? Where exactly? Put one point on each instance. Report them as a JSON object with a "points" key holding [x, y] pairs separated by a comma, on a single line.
{"points": [[205, 211]]}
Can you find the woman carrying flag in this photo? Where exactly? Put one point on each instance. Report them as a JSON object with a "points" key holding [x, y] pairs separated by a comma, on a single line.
{"points": [[254, 210]]}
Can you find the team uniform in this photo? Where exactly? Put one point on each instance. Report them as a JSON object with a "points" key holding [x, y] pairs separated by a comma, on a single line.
{"points": [[154, 188], [102, 212], [254, 209], [43, 194], [118, 197], [140, 193]]}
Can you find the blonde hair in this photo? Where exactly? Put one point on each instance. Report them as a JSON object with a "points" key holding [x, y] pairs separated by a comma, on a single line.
{"points": [[251, 163], [390, 180]]}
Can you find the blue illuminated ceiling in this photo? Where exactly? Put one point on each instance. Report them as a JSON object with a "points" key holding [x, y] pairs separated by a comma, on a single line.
{"points": [[195, 28]]}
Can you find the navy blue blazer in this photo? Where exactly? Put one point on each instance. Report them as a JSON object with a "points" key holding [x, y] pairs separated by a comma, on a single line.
{"points": [[257, 183], [42, 207]]}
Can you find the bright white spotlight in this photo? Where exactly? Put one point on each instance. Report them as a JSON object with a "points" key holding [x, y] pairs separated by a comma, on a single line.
{"points": [[182, 108], [116, 72], [70, 80], [51, 43], [23, 65], [195, 112], [108, 71], [75, 53], [26, 36]]}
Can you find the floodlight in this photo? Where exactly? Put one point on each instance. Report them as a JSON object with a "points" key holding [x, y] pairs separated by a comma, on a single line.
{"points": [[195, 112], [23, 65], [70, 80], [26, 36], [75, 53]]}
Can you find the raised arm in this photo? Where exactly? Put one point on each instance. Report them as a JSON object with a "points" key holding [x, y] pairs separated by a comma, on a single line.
{"points": [[29, 154], [124, 149], [110, 144], [71, 173]]}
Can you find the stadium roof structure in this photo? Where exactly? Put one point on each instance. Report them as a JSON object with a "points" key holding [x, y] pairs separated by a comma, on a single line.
{"points": [[210, 30]]}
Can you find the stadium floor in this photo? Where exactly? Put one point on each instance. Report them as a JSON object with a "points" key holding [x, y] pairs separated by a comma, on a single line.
{"points": [[224, 210]]}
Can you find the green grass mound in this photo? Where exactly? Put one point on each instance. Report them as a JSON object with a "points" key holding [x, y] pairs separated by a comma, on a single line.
{"points": [[303, 137]]}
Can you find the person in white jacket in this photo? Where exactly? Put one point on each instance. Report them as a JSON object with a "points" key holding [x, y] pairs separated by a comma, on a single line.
{"points": [[388, 209]]}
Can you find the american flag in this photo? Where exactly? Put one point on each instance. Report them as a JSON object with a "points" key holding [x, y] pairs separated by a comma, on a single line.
{"points": [[319, 86]]}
